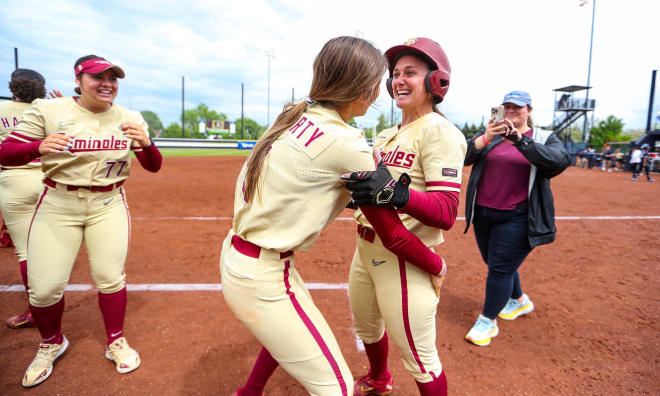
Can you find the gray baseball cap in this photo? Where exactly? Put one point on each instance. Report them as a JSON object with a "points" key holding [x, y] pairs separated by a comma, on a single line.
{"points": [[28, 74]]}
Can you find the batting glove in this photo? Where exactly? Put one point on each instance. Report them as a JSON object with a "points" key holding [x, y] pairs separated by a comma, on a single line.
{"points": [[378, 187]]}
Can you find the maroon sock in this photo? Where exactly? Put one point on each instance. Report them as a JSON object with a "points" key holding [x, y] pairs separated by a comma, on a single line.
{"points": [[23, 266], [113, 309], [437, 387], [49, 321], [262, 370], [377, 354]]}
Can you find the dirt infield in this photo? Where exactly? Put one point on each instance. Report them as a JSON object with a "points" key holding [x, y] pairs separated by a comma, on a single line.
{"points": [[596, 290]]}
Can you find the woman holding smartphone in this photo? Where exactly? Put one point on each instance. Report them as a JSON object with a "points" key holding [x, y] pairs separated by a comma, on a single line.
{"points": [[510, 203]]}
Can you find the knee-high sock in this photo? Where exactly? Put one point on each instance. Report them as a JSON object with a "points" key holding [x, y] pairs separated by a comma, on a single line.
{"points": [[113, 308], [23, 267], [377, 354], [49, 321], [437, 387], [262, 370]]}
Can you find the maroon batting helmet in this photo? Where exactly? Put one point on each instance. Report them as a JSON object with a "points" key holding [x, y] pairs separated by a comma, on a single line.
{"points": [[437, 80]]}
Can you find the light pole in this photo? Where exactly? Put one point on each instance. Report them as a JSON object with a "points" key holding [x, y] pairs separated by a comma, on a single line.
{"points": [[591, 45], [269, 55]]}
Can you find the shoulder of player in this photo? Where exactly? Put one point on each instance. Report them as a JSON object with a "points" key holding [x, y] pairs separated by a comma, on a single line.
{"points": [[332, 126], [56, 105], [128, 113], [438, 127], [9, 106]]}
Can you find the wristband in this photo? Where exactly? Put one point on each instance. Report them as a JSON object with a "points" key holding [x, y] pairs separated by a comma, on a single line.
{"points": [[483, 137]]}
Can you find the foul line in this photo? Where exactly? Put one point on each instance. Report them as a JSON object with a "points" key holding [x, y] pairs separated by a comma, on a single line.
{"points": [[173, 287], [200, 218]]}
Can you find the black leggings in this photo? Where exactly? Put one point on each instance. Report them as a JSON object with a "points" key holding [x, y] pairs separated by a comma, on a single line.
{"points": [[503, 244]]}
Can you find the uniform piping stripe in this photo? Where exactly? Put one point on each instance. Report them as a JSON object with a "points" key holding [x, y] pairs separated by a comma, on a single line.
{"points": [[312, 329], [404, 311], [128, 216], [20, 136], [36, 209], [443, 184]]}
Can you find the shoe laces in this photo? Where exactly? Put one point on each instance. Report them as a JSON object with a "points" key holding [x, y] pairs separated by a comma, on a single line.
{"points": [[511, 305], [119, 348], [45, 356], [484, 325]]}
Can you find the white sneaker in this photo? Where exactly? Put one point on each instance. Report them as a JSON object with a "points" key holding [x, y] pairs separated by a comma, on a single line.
{"points": [[42, 366], [126, 358], [514, 309], [482, 331]]}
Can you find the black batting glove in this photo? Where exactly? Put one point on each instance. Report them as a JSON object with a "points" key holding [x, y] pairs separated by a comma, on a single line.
{"points": [[378, 188]]}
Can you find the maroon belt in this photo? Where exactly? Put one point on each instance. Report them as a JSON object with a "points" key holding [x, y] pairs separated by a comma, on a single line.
{"points": [[110, 187], [250, 249], [366, 233]]}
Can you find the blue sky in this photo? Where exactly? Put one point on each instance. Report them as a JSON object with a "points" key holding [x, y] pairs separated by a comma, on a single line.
{"points": [[493, 46]]}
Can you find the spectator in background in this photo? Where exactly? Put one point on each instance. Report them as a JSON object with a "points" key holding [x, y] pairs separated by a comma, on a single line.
{"points": [[606, 162], [579, 158], [645, 161], [635, 162], [510, 203], [618, 160], [591, 156]]}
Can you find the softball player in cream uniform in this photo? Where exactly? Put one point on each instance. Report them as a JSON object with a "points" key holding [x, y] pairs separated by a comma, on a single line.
{"points": [[20, 186], [282, 208], [389, 296], [85, 144]]}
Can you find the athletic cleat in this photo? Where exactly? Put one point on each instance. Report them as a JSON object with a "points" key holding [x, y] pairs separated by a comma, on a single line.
{"points": [[514, 309], [125, 357], [366, 386], [42, 366], [482, 331], [21, 321]]}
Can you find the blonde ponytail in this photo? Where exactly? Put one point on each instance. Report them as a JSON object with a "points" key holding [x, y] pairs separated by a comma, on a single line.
{"points": [[290, 114]]}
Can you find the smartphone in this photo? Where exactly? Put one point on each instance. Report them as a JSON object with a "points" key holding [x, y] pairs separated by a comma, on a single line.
{"points": [[497, 112]]}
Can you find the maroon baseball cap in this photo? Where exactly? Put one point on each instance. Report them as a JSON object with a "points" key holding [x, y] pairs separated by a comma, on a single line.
{"points": [[98, 65]]}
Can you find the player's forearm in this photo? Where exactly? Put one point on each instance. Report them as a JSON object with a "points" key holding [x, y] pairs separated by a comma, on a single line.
{"points": [[150, 158], [434, 209], [16, 153], [397, 239]]}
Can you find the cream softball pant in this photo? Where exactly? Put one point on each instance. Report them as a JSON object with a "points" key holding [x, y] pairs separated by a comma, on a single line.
{"points": [[64, 219], [388, 293], [19, 192], [267, 294]]}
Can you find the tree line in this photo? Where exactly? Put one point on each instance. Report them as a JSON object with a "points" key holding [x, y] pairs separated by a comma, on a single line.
{"points": [[252, 129], [608, 130]]}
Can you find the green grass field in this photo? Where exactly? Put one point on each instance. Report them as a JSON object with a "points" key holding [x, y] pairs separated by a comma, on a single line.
{"points": [[172, 152]]}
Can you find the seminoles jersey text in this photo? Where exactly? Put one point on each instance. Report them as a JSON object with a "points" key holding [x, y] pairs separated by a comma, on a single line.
{"points": [[399, 158], [99, 144]]}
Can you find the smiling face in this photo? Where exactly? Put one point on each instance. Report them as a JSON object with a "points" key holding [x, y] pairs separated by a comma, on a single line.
{"points": [[517, 115], [98, 90], [408, 83]]}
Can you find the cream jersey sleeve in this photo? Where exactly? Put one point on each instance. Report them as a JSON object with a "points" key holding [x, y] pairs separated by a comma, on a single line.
{"points": [[300, 189], [10, 115], [100, 152]]}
